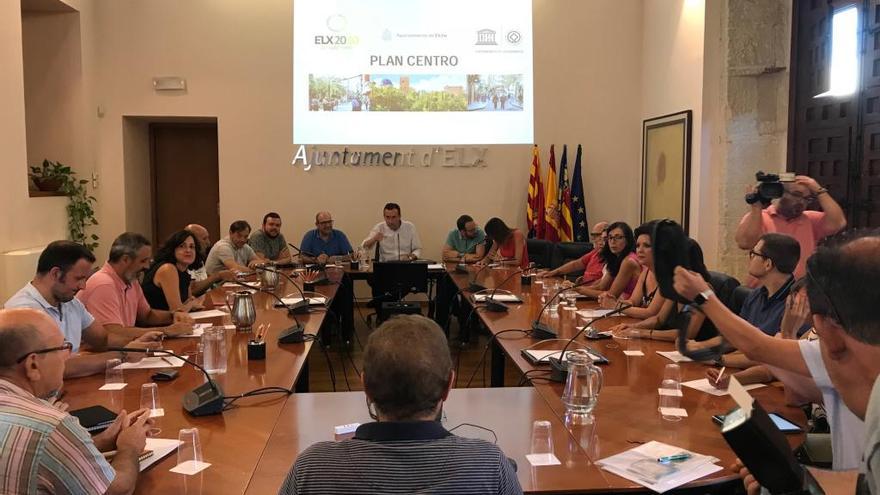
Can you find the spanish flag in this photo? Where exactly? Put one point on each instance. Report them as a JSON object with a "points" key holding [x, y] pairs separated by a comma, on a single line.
{"points": [[535, 205], [551, 209]]}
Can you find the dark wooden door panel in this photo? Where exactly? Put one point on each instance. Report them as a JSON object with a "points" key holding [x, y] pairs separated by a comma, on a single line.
{"points": [[185, 178]]}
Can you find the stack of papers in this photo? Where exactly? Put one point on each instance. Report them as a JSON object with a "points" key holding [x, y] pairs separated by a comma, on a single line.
{"points": [[497, 297], [675, 356], [641, 466], [589, 314], [703, 385]]}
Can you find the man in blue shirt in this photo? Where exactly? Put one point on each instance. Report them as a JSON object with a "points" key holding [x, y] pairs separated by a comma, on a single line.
{"points": [[772, 262], [321, 245]]}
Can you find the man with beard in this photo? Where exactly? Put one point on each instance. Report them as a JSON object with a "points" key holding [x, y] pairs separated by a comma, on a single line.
{"points": [[62, 271], [114, 296], [269, 242], [787, 215], [233, 252]]}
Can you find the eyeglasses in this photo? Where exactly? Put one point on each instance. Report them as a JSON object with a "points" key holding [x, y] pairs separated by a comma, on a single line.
{"points": [[754, 253], [326, 222], [596, 235], [616, 237], [834, 313], [67, 346]]}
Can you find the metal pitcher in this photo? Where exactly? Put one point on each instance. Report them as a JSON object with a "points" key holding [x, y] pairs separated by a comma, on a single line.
{"points": [[241, 309], [268, 276]]}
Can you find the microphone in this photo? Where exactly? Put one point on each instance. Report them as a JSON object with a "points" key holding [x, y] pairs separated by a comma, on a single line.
{"points": [[496, 306], [296, 333], [558, 371], [473, 286], [301, 252], [204, 400], [540, 330]]}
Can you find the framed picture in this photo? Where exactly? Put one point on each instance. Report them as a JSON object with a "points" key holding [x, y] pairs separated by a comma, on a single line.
{"points": [[666, 168]]}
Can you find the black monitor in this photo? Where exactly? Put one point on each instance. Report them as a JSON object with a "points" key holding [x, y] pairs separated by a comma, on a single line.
{"points": [[399, 278]]}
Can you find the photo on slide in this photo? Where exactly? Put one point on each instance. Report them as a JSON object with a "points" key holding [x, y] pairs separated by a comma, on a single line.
{"points": [[415, 93]]}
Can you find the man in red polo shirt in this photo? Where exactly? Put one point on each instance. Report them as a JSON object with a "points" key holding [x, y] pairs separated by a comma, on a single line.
{"points": [[787, 215], [591, 262]]}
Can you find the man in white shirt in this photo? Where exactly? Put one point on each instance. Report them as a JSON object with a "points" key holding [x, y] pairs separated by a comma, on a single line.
{"points": [[397, 239]]}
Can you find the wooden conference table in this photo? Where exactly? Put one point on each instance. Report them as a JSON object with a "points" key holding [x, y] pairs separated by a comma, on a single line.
{"points": [[627, 411], [252, 446]]}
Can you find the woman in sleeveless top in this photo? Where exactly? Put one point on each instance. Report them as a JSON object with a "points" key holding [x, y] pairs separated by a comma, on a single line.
{"points": [[507, 244], [645, 300], [622, 269], [167, 283]]}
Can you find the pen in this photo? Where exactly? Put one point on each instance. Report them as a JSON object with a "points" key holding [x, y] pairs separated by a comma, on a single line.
{"points": [[683, 456], [167, 361], [720, 374]]}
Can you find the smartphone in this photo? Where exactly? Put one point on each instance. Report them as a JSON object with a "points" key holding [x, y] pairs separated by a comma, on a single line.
{"points": [[784, 425]]}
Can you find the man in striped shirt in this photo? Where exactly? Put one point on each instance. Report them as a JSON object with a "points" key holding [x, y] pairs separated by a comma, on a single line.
{"points": [[407, 376], [43, 449]]}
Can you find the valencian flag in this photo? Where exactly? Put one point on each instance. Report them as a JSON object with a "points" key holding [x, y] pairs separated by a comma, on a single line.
{"points": [[535, 205], [563, 199], [551, 208], [580, 230]]}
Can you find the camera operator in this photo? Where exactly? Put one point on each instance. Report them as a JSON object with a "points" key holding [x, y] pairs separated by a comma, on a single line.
{"points": [[788, 215]]}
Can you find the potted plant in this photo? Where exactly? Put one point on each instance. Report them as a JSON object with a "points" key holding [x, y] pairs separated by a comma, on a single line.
{"points": [[80, 209], [49, 177]]}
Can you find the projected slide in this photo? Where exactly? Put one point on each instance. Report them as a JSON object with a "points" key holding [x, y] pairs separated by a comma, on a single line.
{"points": [[412, 72]]}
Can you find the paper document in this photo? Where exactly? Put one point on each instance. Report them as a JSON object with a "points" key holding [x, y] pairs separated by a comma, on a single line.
{"points": [[675, 356], [313, 301], [640, 465], [497, 297], [436, 266], [153, 362], [543, 356], [703, 385], [160, 448], [190, 468], [633, 353], [198, 330], [210, 313], [589, 314], [543, 459]]}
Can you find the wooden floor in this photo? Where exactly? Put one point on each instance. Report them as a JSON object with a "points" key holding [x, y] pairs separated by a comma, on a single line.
{"points": [[345, 363]]}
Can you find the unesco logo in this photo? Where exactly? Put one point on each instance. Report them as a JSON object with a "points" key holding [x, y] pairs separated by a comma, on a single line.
{"points": [[514, 37]]}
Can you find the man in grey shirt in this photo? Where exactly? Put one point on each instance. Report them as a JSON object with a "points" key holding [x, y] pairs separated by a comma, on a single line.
{"points": [[233, 252], [407, 375], [269, 242]]}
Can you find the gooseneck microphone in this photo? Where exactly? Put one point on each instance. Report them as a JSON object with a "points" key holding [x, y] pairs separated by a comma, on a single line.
{"points": [[301, 252], [204, 400], [542, 331], [473, 286], [558, 370], [497, 306]]}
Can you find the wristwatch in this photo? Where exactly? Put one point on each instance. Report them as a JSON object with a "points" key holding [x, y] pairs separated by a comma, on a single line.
{"points": [[701, 298]]}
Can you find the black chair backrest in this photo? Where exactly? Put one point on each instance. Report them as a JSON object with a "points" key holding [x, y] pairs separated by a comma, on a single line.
{"points": [[540, 252], [739, 297], [563, 252], [723, 285]]}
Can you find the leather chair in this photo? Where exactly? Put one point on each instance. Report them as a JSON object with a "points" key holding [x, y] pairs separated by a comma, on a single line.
{"points": [[739, 297], [724, 286], [540, 252], [563, 252]]}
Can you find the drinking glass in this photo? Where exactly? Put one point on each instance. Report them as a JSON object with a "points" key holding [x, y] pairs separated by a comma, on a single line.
{"points": [[542, 438], [670, 390], [150, 401], [214, 350], [189, 452], [113, 374]]}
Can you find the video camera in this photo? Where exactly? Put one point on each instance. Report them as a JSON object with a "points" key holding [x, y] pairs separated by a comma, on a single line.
{"points": [[770, 187]]}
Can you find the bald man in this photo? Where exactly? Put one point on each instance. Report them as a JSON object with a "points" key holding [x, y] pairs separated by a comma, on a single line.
{"points": [[43, 449], [321, 245], [202, 282], [591, 263], [323, 242]]}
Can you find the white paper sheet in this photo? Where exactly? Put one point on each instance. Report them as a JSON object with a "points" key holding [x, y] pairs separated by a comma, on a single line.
{"points": [[543, 459], [153, 362], [436, 266], [190, 468], [675, 356], [209, 313], [674, 411], [497, 297], [694, 468], [160, 447], [589, 314], [313, 301], [633, 353], [670, 392], [113, 386], [703, 385]]}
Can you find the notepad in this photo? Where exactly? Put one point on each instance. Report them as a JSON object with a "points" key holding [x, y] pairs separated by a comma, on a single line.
{"points": [[160, 447], [497, 297], [703, 385]]}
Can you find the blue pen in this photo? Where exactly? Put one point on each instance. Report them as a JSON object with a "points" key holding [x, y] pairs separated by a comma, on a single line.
{"points": [[674, 458]]}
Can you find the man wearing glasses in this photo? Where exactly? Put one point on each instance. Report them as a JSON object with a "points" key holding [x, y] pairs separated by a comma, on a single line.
{"points": [[466, 242], [321, 245], [44, 449], [591, 263], [788, 215]]}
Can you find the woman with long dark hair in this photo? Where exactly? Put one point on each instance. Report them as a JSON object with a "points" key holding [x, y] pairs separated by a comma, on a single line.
{"points": [[507, 244], [645, 300], [622, 269], [166, 284]]}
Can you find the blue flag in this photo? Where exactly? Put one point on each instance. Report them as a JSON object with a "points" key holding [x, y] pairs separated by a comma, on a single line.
{"points": [[580, 228]]}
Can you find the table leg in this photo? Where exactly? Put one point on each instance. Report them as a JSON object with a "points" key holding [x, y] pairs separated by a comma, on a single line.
{"points": [[497, 374], [302, 384]]}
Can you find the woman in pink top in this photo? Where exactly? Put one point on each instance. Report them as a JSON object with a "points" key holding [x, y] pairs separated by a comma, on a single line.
{"points": [[507, 244], [646, 300], [622, 268]]}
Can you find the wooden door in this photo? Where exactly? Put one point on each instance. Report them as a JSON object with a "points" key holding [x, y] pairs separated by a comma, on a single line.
{"points": [[185, 185]]}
